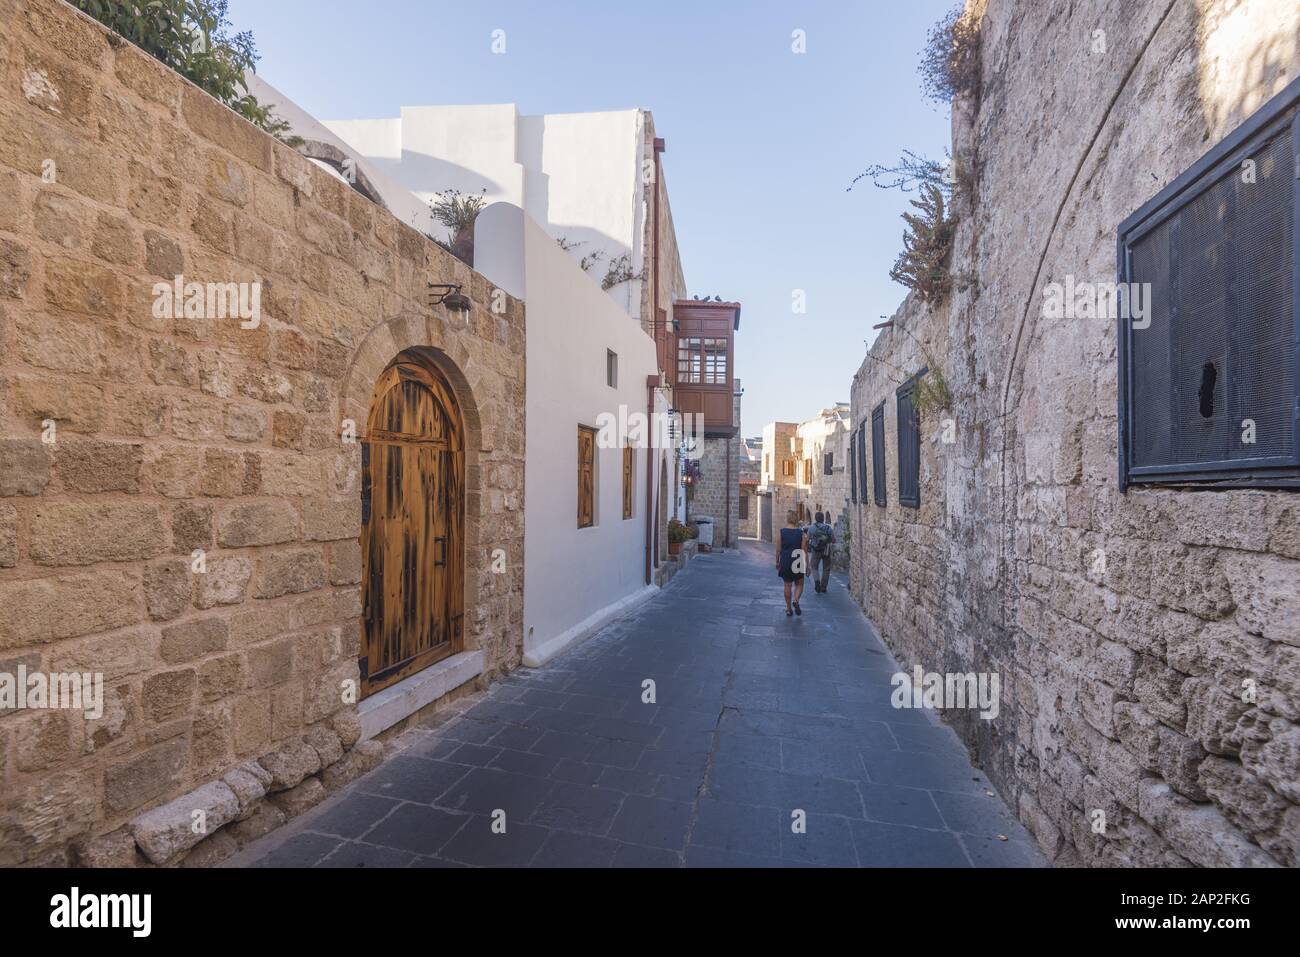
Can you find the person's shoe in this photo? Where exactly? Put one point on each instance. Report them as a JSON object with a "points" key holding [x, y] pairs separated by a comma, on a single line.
{"points": [[789, 613], [797, 609]]}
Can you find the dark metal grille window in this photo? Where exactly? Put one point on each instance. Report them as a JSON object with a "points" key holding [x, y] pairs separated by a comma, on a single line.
{"points": [[853, 469], [878, 454], [1209, 376], [909, 447], [828, 463]]}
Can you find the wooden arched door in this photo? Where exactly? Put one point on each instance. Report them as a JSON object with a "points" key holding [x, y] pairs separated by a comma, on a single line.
{"points": [[412, 524]]}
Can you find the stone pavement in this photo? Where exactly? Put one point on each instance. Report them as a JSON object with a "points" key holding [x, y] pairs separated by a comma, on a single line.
{"points": [[757, 716]]}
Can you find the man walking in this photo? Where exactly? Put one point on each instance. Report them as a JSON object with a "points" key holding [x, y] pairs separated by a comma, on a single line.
{"points": [[820, 539]]}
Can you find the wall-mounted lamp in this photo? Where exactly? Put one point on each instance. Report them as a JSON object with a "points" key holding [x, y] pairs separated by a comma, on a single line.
{"points": [[448, 294]]}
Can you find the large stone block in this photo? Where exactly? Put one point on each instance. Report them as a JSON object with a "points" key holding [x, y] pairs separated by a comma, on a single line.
{"points": [[24, 467], [84, 533], [140, 778], [89, 466], [166, 832], [193, 639], [289, 572], [46, 609], [289, 764], [257, 523]]}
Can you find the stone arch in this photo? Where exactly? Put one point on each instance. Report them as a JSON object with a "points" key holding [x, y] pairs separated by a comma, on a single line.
{"points": [[427, 337]]}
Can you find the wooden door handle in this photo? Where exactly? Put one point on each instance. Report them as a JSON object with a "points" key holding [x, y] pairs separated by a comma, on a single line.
{"points": [[442, 560]]}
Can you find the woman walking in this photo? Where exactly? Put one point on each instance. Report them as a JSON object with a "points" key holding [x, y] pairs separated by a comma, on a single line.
{"points": [[791, 560]]}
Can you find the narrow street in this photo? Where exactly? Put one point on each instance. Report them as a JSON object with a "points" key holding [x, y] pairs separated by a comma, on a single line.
{"points": [[757, 717]]}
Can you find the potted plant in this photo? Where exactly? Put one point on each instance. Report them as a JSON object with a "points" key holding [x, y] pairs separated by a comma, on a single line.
{"points": [[677, 533]]}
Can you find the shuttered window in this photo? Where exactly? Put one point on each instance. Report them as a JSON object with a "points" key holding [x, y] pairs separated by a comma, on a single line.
{"points": [[744, 505], [863, 439], [878, 454], [629, 501], [1210, 361], [828, 463], [586, 476], [909, 447], [853, 468]]}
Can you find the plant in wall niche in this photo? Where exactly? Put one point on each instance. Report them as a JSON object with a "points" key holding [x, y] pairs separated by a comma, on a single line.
{"points": [[458, 211], [950, 62], [620, 270], [932, 393], [922, 266], [193, 38]]}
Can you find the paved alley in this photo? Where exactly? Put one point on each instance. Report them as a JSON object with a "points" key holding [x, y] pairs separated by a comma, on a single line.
{"points": [[756, 717]]}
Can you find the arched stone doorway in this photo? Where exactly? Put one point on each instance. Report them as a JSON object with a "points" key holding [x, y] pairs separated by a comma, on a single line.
{"points": [[413, 521]]}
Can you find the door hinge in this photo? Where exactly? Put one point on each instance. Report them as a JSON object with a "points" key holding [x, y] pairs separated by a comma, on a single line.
{"points": [[363, 664]]}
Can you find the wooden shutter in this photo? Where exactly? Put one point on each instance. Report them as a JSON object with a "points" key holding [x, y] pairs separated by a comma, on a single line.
{"points": [[909, 447], [586, 476], [627, 482]]}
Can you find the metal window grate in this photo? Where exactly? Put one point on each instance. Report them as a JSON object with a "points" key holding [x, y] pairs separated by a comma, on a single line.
{"points": [[1208, 390], [878, 454], [909, 447]]}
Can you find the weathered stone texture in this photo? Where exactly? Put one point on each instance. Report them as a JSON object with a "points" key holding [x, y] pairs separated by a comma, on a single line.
{"points": [[178, 509], [1146, 641]]}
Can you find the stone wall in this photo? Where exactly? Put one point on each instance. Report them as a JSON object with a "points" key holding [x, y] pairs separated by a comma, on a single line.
{"points": [[1122, 625], [718, 491], [132, 445]]}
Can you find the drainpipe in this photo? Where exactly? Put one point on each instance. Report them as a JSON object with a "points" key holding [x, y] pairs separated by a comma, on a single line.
{"points": [[650, 383], [726, 543], [660, 349]]}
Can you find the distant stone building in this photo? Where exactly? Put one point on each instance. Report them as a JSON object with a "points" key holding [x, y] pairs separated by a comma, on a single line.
{"points": [[1017, 512], [751, 457], [821, 476], [776, 478], [718, 491]]}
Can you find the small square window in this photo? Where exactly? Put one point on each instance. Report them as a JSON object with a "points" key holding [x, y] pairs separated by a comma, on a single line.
{"points": [[611, 368]]}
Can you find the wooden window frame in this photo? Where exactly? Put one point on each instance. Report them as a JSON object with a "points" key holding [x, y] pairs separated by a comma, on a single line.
{"points": [[629, 481], [587, 467], [611, 368]]}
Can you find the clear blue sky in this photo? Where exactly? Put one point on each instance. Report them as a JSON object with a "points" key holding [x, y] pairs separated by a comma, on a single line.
{"points": [[761, 142]]}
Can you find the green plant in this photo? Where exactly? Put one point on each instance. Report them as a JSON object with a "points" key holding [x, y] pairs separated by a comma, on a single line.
{"points": [[677, 532], [457, 211], [620, 270], [932, 393], [950, 62], [193, 38], [922, 266], [692, 530]]}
